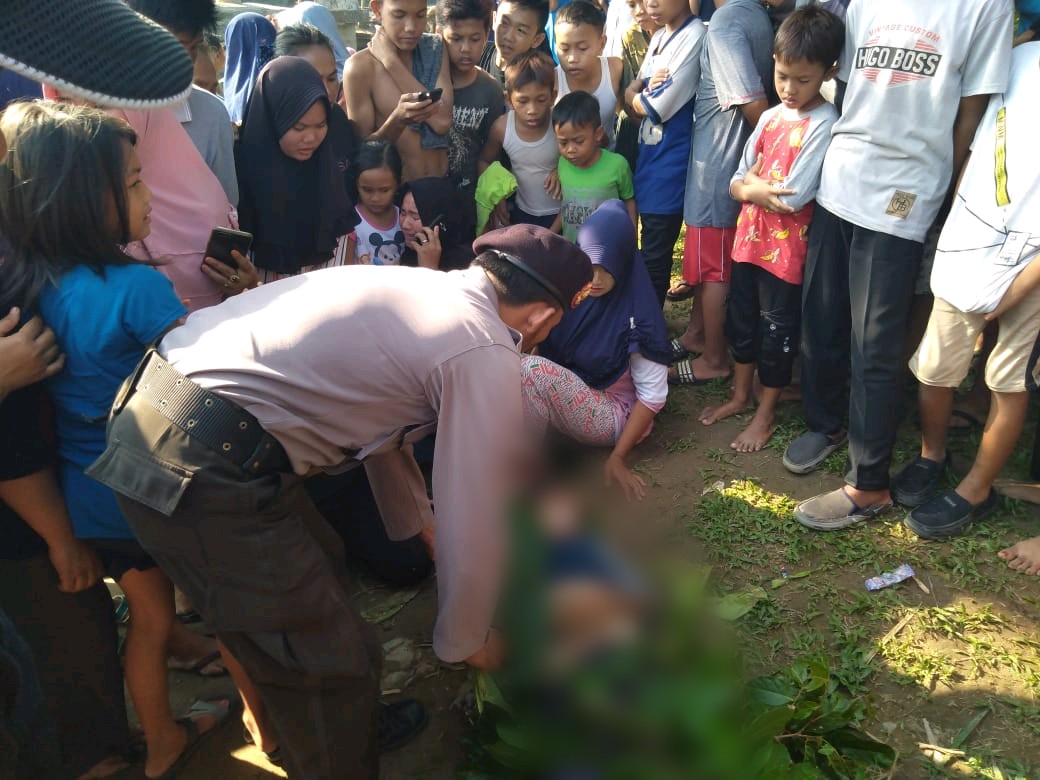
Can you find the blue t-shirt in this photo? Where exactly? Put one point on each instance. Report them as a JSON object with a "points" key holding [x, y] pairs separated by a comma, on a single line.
{"points": [[104, 324], [664, 134]]}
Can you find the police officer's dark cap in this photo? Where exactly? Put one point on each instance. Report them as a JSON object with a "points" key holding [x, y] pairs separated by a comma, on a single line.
{"points": [[551, 260]]}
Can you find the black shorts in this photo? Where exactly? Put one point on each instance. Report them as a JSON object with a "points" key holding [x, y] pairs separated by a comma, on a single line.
{"points": [[118, 556]]}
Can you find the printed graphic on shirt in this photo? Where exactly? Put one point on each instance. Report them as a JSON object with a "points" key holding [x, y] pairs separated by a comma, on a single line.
{"points": [[894, 65], [575, 212], [463, 142], [771, 240], [901, 204], [375, 248]]}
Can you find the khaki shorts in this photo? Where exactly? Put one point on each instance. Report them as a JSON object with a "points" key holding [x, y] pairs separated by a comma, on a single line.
{"points": [[943, 358]]}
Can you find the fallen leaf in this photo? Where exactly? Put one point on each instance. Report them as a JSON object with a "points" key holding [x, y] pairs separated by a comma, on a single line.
{"points": [[734, 606]]}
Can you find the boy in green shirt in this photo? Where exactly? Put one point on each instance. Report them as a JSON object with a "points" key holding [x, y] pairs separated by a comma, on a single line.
{"points": [[589, 174]]}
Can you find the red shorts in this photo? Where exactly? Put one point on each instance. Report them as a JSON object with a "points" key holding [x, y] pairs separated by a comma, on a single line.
{"points": [[707, 254]]}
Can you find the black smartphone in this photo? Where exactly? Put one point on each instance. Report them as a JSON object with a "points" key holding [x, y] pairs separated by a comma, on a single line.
{"points": [[222, 240], [438, 222], [433, 94]]}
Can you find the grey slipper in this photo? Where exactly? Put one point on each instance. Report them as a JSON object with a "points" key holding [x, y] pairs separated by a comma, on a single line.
{"points": [[835, 510], [809, 450], [208, 706]]}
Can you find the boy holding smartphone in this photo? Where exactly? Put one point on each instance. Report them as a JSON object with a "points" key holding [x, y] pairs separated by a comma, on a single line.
{"points": [[383, 86], [465, 25]]}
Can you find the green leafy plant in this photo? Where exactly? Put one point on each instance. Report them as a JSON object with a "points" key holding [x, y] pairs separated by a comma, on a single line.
{"points": [[675, 704]]}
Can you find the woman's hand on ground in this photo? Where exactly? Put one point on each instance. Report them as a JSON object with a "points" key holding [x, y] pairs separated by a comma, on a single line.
{"points": [[78, 566], [232, 280], [615, 470]]}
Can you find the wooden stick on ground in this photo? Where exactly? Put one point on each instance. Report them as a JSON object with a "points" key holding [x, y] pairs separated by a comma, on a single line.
{"points": [[940, 755], [939, 749], [887, 637]]}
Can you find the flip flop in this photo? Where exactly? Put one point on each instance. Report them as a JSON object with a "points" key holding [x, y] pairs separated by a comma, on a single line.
{"points": [[679, 292], [208, 706], [199, 664], [274, 757], [684, 375]]}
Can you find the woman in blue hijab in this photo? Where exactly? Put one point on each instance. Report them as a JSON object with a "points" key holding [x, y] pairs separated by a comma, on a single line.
{"points": [[321, 18], [248, 45], [602, 374]]}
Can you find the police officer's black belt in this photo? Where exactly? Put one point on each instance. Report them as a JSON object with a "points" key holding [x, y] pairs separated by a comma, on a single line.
{"points": [[221, 425]]}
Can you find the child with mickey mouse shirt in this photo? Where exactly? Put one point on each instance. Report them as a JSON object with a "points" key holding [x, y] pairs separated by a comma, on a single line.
{"points": [[378, 238]]}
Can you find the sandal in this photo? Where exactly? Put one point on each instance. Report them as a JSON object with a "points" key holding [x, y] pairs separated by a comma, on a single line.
{"points": [[680, 291], [191, 616], [122, 609], [684, 375], [205, 706], [198, 665], [273, 757], [678, 351]]}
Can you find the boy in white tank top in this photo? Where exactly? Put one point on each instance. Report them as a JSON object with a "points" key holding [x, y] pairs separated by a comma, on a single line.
{"points": [[579, 48], [525, 134]]}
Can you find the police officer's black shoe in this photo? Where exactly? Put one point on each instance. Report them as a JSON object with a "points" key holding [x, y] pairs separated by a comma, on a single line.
{"points": [[399, 723]]}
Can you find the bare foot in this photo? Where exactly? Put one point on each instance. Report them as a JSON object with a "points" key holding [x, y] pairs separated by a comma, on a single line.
{"points": [[712, 414], [268, 743], [755, 436], [1023, 556], [213, 668], [793, 392], [703, 370], [188, 650], [693, 346]]}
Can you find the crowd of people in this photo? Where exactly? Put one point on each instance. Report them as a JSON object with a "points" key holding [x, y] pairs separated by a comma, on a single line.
{"points": [[450, 242]]}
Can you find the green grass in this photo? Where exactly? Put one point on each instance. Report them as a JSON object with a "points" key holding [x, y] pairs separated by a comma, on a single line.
{"points": [[971, 639]]}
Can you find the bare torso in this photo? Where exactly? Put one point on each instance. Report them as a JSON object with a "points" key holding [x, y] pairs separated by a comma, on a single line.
{"points": [[383, 96]]}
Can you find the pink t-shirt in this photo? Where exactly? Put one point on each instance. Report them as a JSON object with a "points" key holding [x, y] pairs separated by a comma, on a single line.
{"points": [[188, 201]]}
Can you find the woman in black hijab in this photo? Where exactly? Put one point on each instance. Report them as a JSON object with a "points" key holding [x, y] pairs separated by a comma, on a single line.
{"points": [[438, 224], [290, 157]]}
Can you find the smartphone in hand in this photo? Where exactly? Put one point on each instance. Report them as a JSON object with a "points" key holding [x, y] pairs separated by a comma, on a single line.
{"points": [[433, 94], [222, 240]]}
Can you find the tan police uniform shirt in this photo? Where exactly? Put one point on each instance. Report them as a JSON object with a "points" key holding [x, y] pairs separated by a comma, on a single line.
{"points": [[355, 363]]}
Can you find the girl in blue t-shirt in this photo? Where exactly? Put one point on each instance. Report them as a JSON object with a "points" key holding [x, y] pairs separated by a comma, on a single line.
{"points": [[71, 195]]}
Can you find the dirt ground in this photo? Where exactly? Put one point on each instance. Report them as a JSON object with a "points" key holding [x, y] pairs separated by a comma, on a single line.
{"points": [[970, 643]]}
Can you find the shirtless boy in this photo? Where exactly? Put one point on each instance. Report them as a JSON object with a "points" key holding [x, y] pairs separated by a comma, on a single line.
{"points": [[383, 94]]}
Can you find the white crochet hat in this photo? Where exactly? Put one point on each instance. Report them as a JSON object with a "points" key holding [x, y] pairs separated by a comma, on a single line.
{"points": [[96, 50]]}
